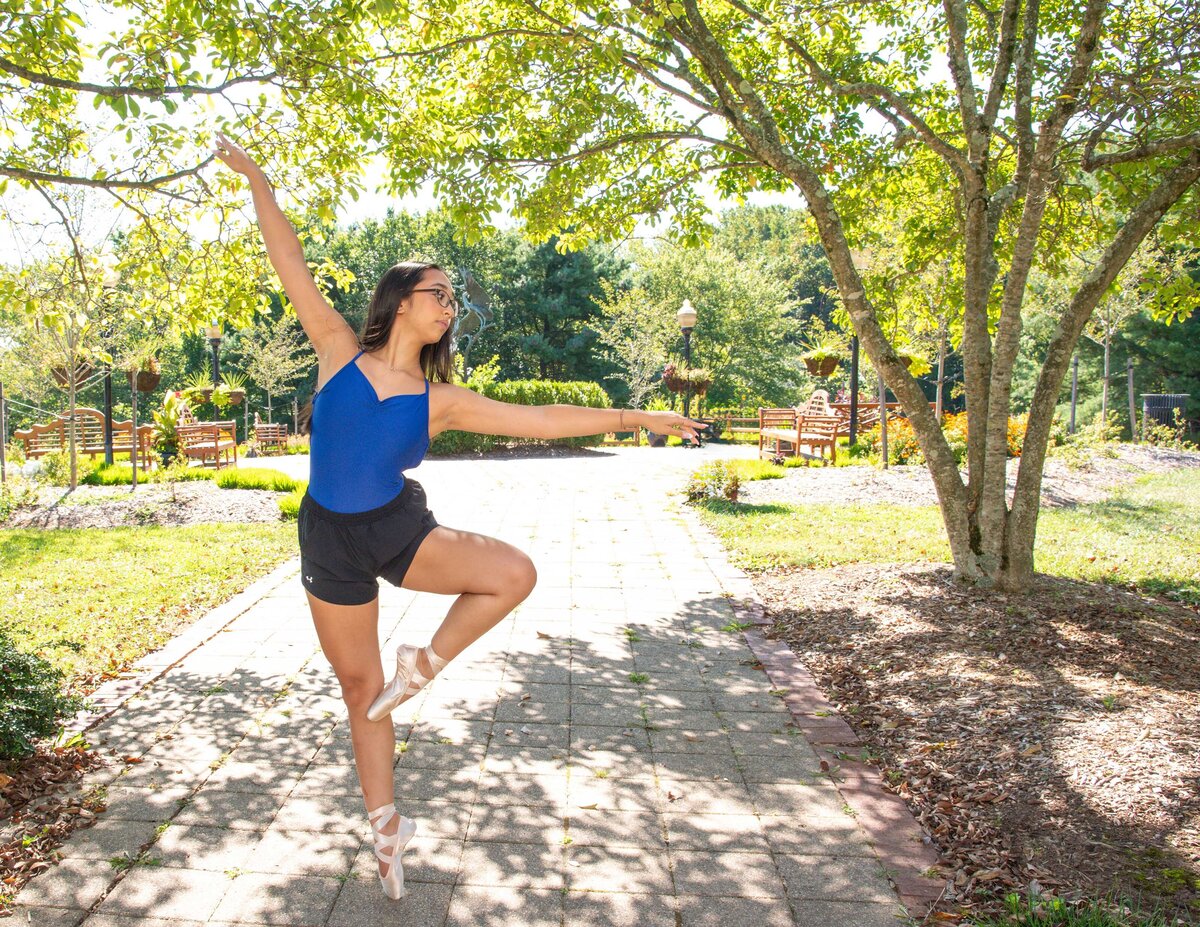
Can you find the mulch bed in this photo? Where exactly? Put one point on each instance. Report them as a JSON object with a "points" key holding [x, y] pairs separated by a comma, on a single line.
{"points": [[1049, 739]]}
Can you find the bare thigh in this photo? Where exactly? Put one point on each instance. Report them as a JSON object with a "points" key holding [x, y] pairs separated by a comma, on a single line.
{"points": [[452, 562], [349, 636]]}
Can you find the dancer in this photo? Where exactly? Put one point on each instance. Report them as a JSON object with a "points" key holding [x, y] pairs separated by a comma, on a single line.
{"points": [[381, 397]]}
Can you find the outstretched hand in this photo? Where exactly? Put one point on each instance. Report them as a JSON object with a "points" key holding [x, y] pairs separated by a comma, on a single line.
{"points": [[670, 423], [235, 158]]}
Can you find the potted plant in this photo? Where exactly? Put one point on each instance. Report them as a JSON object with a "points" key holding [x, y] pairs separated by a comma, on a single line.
{"points": [[145, 374], [198, 388], [166, 423], [237, 388]]}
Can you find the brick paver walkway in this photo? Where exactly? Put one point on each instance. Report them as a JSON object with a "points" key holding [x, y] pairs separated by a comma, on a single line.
{"points": [[610, 754]]}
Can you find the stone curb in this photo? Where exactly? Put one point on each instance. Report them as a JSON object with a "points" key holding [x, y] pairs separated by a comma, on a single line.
{"points": [[114, 693], [904, 850]]}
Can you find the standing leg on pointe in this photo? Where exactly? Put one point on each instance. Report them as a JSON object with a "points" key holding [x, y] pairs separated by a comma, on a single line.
{"points": [[350, 640]]}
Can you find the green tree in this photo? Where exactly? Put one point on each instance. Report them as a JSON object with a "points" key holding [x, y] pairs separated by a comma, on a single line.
{"points": [[276, 355], [745, 320], [634, 332], [586, 117]]}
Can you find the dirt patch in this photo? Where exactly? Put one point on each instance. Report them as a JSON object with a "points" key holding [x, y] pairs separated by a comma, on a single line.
{"points": [[1052, 737], [193, 503], [1091, 480]]}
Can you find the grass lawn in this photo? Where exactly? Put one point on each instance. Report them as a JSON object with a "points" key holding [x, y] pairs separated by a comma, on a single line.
{"points": [[1146, 536], [92, 601]]}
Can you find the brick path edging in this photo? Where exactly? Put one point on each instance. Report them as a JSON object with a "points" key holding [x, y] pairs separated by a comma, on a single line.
{"points": [[904, 850]]}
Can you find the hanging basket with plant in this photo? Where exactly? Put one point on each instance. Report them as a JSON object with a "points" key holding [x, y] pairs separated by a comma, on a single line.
{"points": [[237, 388], [674, 379], [823, 351], [198, 388], [700, 379], [146, 376], [62, 375]]}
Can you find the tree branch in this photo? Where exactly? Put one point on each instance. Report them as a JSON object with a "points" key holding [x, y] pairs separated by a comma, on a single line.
{"points": [[109, 90], [960, 71], [1004, 59], [1092, 162], [154, 183]]}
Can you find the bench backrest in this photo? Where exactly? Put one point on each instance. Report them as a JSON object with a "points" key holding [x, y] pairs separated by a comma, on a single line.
{"points": [[824, 426], [270, 431], [776, 418], [196, 433], [818, 404]]}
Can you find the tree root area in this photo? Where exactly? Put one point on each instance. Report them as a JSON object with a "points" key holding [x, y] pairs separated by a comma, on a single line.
{"points": [[1049, 739]]}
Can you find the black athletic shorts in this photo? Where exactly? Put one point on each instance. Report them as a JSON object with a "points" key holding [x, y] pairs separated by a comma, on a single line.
{"points": [[342, 553]]}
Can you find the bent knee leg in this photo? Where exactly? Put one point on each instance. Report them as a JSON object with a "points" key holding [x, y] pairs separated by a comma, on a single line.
{"points": [[518, 576]]}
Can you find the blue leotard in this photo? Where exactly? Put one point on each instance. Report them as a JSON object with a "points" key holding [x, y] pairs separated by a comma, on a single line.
{"points": [[361, 444]]}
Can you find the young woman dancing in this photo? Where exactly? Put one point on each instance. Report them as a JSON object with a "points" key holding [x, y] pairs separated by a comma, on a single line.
{"points": [[381, 397]]}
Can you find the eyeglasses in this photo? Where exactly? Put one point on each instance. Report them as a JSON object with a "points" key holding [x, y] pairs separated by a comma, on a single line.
{"points": [[444, 299]]}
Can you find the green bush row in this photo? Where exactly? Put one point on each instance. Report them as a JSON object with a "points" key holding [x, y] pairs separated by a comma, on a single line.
{"points": [[526, 393], [255, 478]]}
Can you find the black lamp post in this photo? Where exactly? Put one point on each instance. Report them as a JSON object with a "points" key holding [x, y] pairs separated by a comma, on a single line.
{"points": [[110, 282], [687, 321], [214, 338], [853, 389]]}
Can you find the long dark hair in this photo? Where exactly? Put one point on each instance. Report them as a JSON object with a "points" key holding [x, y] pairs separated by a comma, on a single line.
{"points": [[397, 283]]}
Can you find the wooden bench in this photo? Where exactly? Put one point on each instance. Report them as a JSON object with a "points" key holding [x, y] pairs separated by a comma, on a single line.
{"points": [[54, 436], [797, 429], [202, 440], [271, 434]]}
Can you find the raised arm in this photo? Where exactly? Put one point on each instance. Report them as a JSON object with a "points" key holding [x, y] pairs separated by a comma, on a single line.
{"points": [[326, 329], [466, 410]]}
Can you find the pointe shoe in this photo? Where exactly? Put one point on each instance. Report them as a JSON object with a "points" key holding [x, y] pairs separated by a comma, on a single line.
{"points": [[393, 882], [407, 682]]}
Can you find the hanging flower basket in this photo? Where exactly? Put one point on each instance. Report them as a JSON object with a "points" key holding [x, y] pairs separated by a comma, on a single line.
{"points": [[145, 380], [821, 366], [236, 396], [674, 379], [62, 376]]}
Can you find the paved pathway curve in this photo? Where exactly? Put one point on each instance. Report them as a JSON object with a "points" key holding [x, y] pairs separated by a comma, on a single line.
{"points": [[611, 754]]}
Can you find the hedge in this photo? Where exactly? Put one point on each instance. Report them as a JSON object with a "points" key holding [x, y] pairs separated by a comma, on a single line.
{"points": [[526, 393]]}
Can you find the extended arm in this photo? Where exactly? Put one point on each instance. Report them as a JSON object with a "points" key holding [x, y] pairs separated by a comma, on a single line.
{"points": [[468, 411], [321, 322]]}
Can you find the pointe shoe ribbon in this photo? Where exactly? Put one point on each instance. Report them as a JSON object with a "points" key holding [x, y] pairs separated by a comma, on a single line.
{"points": [[393, 882], [407, 682]]}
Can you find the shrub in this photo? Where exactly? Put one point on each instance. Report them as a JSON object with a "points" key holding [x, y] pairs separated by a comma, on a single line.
{"points": [[117, 474], [14, 493], [14, 454], [31, 702], [716, 480], [1170, 436], [289, 505], [56, 468], [121, 474], [756, 470], [255, 478]]}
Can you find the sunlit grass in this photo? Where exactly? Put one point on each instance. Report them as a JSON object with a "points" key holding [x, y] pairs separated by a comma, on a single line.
{"points": [[92, 601], [1146, 536]]}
